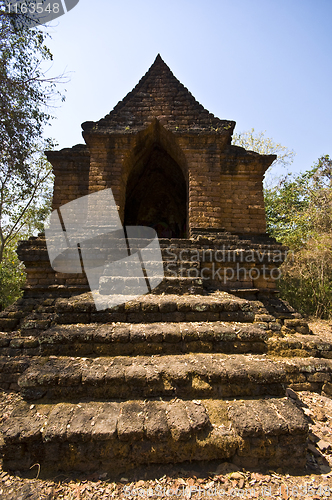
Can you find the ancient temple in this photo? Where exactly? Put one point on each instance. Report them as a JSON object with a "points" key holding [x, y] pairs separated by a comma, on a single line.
{"points": [[171, 166], [195, 370]]}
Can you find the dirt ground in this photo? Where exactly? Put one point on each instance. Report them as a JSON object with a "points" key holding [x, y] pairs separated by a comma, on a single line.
{"points": [[194, 481]]}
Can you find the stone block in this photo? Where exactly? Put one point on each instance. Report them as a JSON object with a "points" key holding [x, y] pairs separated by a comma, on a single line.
{"points": [[178, 421], [131, 422]]}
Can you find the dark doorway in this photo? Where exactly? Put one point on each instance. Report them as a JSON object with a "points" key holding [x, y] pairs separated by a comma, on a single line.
{"points": [[156, 195]]}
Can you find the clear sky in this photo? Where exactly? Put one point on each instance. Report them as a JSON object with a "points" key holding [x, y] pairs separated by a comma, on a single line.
{"points": [[265, 64]]}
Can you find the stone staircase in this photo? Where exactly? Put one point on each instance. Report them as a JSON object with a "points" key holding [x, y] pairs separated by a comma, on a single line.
{"points": [[188, 372], [219, 261]]}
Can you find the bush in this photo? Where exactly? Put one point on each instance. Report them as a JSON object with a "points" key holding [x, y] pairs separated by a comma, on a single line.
{"points": [[12, 278], [307, 279]]}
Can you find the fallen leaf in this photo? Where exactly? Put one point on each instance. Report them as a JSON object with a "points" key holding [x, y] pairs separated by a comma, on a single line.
{"points": [[323, 445], [236, 475], [241, 483]]}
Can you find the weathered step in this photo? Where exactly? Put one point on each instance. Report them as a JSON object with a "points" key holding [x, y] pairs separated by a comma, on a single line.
{"points": [[301, 345], [10, 370], [203, 375], [151, 308], [222, 255], [171, 284], [309, 374], [30, 316], [95, 339], [196, 279], [114, 436], [133, 339], [187, 375], [173, 268], [223, 242]]}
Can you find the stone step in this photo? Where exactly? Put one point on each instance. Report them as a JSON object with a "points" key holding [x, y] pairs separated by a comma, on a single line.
{"points": [[227, 245], [223, 254], [190, 376], [154, 308], [10, 370], [53, 290], [128, 339], [223, 261], [172, 266], [187, 375], [31, 316], [69, 377], [170, 285], [133, 339], [223, 273], [211, 302], [221, 242], [301, 345], [116, 436]]}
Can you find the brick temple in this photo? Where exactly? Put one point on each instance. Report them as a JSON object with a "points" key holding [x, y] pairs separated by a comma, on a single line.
{"points": [[198, 369], [169, 162]]}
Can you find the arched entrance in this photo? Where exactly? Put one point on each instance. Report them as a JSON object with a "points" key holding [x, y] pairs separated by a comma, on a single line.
{"points": [[156, 195]]}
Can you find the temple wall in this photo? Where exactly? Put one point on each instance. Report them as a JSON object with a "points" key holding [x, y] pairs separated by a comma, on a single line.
{"points": [[71, 171], [224, 183]]}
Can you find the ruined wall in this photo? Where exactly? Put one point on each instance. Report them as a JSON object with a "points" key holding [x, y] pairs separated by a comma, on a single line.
{"points": [[71, 170]]}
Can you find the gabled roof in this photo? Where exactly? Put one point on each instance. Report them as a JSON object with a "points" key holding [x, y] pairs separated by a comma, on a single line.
{"points": [[159, 94]]}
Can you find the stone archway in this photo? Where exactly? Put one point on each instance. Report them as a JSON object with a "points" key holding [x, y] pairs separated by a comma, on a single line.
{"points": [[156, 195]]}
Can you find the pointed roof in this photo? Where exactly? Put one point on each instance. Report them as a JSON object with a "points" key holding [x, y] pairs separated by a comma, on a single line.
{"points": [[159, 94]]}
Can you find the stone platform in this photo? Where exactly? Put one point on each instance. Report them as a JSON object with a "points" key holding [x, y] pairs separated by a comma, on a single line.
{"points": [[188, 372], [161, 379], [221, 261]]}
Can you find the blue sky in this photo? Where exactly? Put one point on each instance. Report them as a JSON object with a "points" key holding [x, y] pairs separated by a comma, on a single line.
{"points": [[266, 64]]}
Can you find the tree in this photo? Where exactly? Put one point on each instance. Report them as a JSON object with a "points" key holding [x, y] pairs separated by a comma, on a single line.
{"points": [[306, 280], [25, 92], [12, 276], [264, 145], [300, 207], [299, 215], [25, 205], [26, 96]]}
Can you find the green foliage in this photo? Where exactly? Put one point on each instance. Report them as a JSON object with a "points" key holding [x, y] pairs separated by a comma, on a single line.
{"points": [[299, 215], [300, 207], [23, 212], [12, 277], [307, 280], [25, 93], [24, 206], [264, 145]]}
